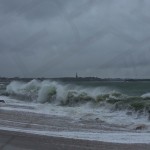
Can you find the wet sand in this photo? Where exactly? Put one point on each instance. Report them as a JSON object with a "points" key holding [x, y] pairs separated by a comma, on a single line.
{"points": [[23, 141], [15, 140]]}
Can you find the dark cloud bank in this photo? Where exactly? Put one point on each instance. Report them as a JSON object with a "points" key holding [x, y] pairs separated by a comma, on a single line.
{"points": [[54, 38]]}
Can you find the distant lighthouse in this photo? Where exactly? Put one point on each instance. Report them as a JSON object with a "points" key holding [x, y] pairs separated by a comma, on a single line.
{"points": [[76, 75]]}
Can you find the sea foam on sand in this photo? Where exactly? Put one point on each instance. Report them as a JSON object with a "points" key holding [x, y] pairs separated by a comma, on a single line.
{"points": [[103, 135], [113, 137]]}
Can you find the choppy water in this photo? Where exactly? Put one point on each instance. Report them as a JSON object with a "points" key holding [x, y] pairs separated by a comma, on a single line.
{"points": [[112, 101], [122, 95]]}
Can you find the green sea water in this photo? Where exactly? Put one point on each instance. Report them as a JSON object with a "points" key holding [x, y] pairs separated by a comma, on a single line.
{"points": [[135, 88], [120, 95]]}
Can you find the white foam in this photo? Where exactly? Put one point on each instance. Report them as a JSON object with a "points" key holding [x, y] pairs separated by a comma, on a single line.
{"points": [[124, 137], [85, 112], [9, 100], [147, 95], [39, 89]]}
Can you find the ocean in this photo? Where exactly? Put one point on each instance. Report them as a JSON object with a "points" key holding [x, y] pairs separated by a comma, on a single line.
{"points": [[127, 94], [100, 105]]}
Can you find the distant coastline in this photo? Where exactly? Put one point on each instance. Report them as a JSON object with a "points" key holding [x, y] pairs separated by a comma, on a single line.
{"points": [[70, 79]]}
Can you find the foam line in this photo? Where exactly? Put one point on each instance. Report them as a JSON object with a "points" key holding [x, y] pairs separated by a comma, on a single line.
{"points": [[125, 137]]}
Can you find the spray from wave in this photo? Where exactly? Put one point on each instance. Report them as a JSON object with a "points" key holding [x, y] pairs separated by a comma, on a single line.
{"points": [[73, 95]]}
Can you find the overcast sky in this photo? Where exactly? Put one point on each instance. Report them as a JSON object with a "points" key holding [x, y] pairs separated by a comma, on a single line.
{"points": [[57, 38]]}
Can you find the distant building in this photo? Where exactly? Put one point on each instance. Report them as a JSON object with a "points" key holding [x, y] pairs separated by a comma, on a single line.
{"points": [[76, 75]]}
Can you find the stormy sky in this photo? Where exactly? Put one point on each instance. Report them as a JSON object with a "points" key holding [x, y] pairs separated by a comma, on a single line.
{"points": [[57, 38]]}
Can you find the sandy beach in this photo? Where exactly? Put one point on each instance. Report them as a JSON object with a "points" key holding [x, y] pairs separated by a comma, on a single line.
{"points": [[27, 121], [24, 141]]}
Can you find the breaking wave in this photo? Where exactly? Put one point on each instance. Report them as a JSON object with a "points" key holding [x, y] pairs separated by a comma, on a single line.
{"points": [[73, 95]]}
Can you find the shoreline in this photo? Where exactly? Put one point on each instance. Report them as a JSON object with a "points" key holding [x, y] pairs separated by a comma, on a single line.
{"points": [[64, 127], [108, 137], [25, 141], [23, 130]]}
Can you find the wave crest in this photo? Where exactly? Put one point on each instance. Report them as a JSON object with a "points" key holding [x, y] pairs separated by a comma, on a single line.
{"points": [[72, 95]]}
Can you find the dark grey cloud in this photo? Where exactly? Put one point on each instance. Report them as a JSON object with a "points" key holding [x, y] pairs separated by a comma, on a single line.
{"points": [[31, 9], [54, 38]]}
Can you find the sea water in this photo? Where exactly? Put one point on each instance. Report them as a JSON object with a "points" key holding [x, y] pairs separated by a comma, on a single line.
{"points": [[123, 104]]}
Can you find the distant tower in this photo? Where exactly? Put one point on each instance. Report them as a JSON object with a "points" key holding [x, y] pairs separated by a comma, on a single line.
{"points": [[76, 75]]}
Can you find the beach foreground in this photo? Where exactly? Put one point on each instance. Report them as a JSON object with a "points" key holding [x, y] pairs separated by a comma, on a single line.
{"points": [[17, 132], [23, 141]]}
